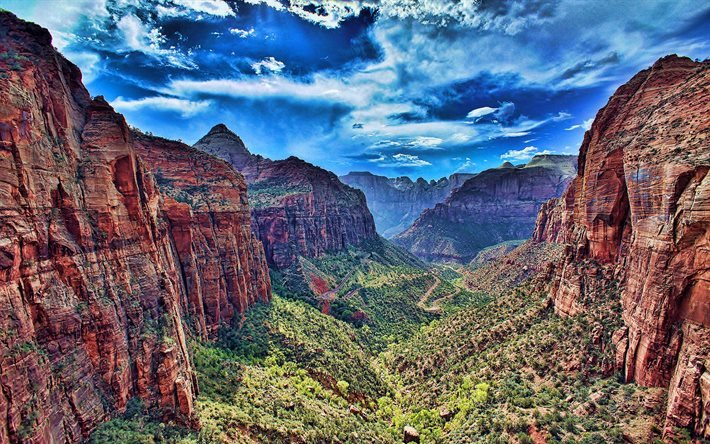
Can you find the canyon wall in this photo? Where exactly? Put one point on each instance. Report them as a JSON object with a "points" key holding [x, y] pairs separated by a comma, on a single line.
{"points": [[298, 209], [639, 212], [98, 259], [496, 205], [396, 203]]}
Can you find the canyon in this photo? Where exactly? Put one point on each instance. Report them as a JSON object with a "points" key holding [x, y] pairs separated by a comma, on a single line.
{"points": [[116, 249], [136, 274], [638, 215], [298, 209], [397, 202], [496, 205]]}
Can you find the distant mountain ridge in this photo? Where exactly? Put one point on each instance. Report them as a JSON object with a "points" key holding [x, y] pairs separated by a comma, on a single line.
{"points": [[298, 209], [397, 202], [496, 205]]}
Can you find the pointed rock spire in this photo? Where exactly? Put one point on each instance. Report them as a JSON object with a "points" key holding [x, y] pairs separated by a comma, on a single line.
{"points": [[222, 142]]}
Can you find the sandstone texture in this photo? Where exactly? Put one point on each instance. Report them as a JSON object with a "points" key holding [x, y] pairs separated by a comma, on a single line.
{"points": [[639, 211], [396, 203], [497, 205], [298, 209], [98, 259]]}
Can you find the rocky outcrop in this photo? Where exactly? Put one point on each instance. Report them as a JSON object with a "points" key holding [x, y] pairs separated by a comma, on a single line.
{"points": [[639, 210], [396, 203], [222, 264], [95, 283], [497, 205], [298, 209]]}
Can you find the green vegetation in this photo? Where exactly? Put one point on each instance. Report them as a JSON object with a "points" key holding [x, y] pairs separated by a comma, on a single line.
{"points": [[137, 426], [380, 285], [268, 193], [493, 364], [292, 331]]}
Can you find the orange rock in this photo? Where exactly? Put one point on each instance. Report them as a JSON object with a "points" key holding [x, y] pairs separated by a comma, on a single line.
{"points": [[298, 209], [95, 274], [639, 212]]}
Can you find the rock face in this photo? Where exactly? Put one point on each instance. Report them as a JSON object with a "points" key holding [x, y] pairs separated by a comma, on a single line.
{"points": [[497, 205], [222, 264], [396, 203], [298, 209], [98, 261], [639, 210]]}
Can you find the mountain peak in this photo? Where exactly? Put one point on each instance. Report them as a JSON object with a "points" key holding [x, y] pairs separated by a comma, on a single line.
{"points": [[222, 142], [220, 128], [506, 164]]}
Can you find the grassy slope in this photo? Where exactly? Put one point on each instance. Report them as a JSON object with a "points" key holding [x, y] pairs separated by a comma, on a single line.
{"points": [[497, 366], [512, 370]]}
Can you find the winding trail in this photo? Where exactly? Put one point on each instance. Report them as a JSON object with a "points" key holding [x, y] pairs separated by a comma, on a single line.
{"points": [[436, 305], [427, 294]]}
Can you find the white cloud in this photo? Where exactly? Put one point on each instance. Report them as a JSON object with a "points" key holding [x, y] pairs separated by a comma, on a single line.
{"points": [[524, 154], [480, 112], [242, 33], [507, 133], [427, 142], [460, 138], [587, 124], [321, 88], [402, 160], [186, 108], [466, 167], [217, 8], [467, 13], [138, 37], [268, 63], [561, 116]]}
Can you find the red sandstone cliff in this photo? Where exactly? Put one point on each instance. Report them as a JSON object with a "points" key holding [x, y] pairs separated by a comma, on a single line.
{"points": [[298, 209], [496, 205], [639, 212], [98, 262]]}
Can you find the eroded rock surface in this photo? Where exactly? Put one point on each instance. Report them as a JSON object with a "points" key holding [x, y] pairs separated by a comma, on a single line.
{"points": [[639, 209], [95, 281], [497, 205], [396, 203], [298, 209]]}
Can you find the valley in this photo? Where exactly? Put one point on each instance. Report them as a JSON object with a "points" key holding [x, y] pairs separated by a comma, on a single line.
{"points": [[157, 292]]}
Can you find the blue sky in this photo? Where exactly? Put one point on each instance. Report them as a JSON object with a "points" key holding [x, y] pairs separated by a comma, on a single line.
{"points": [[396, 87]]}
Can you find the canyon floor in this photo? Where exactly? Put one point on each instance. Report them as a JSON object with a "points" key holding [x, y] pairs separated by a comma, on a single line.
{"points": [[493, 362]]}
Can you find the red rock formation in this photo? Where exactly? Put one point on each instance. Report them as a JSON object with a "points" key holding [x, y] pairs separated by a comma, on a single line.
{"points": [[639, 210], [298, 209], [497, 205], [222, 264], [396, 203], [93, 276]]}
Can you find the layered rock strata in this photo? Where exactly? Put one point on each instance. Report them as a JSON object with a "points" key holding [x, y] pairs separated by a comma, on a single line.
{"points": [[298, 209], [497, 205], [639, 210], [95, 281], [396, 203]]}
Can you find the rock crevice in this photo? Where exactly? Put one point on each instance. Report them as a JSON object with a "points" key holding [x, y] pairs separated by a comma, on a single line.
{"points": [[640, 209], [93, 308]]}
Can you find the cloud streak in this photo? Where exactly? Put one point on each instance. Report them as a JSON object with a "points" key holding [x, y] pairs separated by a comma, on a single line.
{"points": [[524, 154], [185, 108]]}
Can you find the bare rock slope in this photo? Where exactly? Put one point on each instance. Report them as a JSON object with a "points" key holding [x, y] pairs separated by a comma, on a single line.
{"points": [[100, 263], [638, 213], [497, 205], [298, 209]]}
